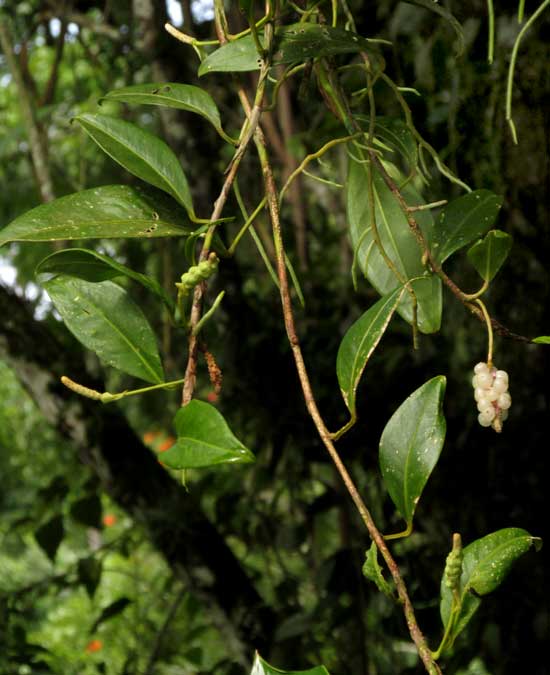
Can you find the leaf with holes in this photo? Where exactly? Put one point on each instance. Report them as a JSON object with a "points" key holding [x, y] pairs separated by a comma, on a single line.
{"points": [[296, 42], [410, 445], [462, 221], [489, 254], [110, 212], [360, 341], [486, 563], [141, 153], [203, 439], [93, 266], [397, 240], [104, 318]]}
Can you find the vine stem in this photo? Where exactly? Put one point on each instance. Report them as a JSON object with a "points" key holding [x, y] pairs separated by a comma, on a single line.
{"points": [[489, 332], [311, 405]]}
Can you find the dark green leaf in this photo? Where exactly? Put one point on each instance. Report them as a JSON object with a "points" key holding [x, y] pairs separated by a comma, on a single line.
{"points": [[395, 134], [450, 18], [140, 153], [261, 667], [297, 42], [488, 255], [87, 511], [398, 242], [110, 212], [89, 574], [172, 95], [486, 563], [360, 341], [49, 535], [411, 444], [542, 340], [104, 318], [373, 572], [204, 439], [463, 221], [92, 266], [112, 610]]}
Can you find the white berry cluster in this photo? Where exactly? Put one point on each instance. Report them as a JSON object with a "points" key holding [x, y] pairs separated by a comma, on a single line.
{"points": [[491, 394]]}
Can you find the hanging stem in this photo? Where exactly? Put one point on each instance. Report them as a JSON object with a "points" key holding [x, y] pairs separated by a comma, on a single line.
{"points": [[489, 332]]}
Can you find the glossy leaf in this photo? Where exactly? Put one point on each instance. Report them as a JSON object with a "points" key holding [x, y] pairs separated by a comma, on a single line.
{"points": [[141, 153], [488, 255], [104, 318], [486, 563], [110, 212], [542, 340], [93, 266], [261, 667], [203, 439], [50, 535], [373, 572], [360, 341], [398, 242], [297, 42], [171, 95], [464, 220], [411, 444]]}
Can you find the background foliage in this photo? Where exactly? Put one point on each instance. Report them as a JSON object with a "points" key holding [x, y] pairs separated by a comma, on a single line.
{"points": [[87, 585]]}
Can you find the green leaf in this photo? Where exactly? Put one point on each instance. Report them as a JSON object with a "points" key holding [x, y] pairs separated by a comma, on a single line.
{"points": [[92, 266], [204, 439], [488, 255], [542, 340], [297, 42], [486, 563], [395, 134], [463, 221], [261, 667], [411, 444], [49, 535], [89, 574], [171, 95], [398, 242], [141, 153], [110, 212], [373, 572], [112, 610], [360, 341], [104, 318]]}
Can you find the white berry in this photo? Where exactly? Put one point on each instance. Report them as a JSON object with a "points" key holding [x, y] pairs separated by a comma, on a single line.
{"points": [[491, 395]]}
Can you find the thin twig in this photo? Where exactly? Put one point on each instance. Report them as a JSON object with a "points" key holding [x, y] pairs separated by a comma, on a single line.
{"points": [[157, 645]]}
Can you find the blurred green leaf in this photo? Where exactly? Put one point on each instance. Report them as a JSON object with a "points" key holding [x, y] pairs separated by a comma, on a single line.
{"points": [[49, 535], [87, 511], [360, 341], [141, 153], [104, 318], [204, 439], [464, 220], [488, 255], [89, 574], [112, 610], [542, 340], [110, 212], [410, 445], [450, 18]]}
